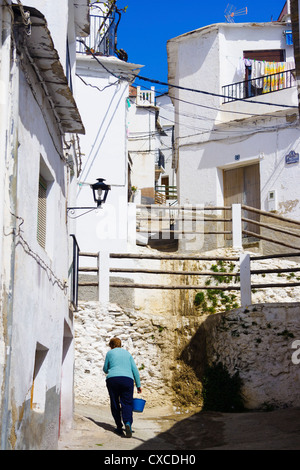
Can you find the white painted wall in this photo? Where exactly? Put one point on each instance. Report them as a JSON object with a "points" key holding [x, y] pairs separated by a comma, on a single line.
{"points": [[35, 304], [103, 107], [5, 106], [167, 121], [142, 144], [56, 13]]}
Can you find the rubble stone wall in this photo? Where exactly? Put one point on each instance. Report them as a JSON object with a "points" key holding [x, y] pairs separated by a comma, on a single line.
{"points": [[259, 342]]}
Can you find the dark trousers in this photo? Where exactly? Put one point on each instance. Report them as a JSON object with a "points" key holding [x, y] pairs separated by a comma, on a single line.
{"points": [[120, 391]]}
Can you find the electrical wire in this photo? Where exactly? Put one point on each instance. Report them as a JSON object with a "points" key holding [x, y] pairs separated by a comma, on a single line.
{"points": [[209, 93], [203, 130], [26, 18], [169, 85], [94, 86], [20, 240]]}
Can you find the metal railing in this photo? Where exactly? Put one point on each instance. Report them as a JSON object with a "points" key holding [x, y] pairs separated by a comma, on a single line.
{"points": [[102, 36], [74, 272], [259, 86]]}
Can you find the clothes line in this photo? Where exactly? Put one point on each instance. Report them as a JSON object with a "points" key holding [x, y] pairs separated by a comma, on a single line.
{"points": [[262, 69]]}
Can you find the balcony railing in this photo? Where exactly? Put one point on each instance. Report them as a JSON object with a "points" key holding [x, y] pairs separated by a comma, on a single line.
{"points": [[102, 36], [145, 97], [164, 193], [259, 86]]}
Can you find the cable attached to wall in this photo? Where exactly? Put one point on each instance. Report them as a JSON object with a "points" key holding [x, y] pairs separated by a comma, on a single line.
{"points": [[25, 245]]}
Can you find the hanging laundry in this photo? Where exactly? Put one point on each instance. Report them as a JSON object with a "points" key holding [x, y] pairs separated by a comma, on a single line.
{"points": [[241, 70], [248, 62], [266, 76], [290, 78], [275, 78], [257, 73], [281, 75]]}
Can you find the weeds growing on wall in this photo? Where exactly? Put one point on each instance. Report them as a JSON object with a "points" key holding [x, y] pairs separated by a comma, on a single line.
{"points": [[187, 386], [215, 300], [221, 391]]}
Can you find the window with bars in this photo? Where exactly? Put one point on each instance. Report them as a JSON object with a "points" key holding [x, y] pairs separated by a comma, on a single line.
{"points": [[42, 212]]}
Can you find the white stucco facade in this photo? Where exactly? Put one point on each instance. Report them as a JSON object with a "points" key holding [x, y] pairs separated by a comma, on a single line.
{"points": [[213, 135], [143, 142], [40, 162], [167, 122], [102, 100]]}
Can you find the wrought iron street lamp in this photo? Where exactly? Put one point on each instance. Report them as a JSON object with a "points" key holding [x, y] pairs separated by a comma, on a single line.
{"points": [[100, 192]]}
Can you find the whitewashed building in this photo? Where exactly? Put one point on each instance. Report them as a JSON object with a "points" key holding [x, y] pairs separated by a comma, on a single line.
{"points": [[237, 136], [166, 183], [143, 143], [150, 146], [102, 84], [40, 162]]}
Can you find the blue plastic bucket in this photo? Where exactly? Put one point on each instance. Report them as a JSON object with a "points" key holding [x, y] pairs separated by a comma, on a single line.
{"points": [[138, 405]]}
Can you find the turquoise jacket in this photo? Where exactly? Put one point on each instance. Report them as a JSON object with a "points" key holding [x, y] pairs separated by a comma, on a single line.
{"points": [[120, 363]]}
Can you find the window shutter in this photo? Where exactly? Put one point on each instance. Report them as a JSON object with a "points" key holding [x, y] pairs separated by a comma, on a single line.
{"points": [[42, 210], [271, 55]]}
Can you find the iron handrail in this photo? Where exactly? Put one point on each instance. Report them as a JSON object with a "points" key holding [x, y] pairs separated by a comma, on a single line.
{"points": [[259, 86]]}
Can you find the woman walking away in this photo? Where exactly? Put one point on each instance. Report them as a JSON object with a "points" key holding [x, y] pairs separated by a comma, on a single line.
{"points": [[121, 372]]}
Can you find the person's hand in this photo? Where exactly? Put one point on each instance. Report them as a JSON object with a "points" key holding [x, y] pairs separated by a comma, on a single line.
{"points": [[139, 389]]}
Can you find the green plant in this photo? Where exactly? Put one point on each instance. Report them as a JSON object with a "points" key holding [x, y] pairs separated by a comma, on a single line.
{"points": [[221, 391], [214, 300], [199, 298]]}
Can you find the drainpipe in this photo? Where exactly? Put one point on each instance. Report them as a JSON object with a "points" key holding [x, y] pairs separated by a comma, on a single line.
{"points": [[10, 77]]}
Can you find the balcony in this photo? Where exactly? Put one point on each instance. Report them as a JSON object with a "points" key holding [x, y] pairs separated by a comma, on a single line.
{"points": [[101, 40], [145, 97], [259, 86]]}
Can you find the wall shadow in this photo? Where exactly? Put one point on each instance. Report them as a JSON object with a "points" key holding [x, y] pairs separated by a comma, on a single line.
{"points": [[203, 430]]}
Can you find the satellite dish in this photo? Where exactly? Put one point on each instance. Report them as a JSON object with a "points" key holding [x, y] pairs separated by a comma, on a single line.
{"points": [[231, 12]]}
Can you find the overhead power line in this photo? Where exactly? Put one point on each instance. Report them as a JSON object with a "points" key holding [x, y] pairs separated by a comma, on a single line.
{"points": [[210, 93], [170, 85]]}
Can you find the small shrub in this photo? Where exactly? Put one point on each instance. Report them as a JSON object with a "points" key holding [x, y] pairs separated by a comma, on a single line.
{"points": [[221, 391], [215, 300]]}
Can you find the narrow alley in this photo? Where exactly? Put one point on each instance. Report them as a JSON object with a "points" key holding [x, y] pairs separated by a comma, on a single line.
{"points": [[159, 429]]}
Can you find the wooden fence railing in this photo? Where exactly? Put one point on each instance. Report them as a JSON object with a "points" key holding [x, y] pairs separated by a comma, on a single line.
{"points": [[241, 274], [175, 219], [272, 228]]}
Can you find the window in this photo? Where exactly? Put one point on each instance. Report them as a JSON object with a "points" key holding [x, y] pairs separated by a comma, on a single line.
{"points": [[269, 55], [45, 208], [38, 389], [42, 212]]}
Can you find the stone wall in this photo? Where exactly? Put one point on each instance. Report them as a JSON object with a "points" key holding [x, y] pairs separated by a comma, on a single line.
{"points": [[258, 343], [171, 352], [150, 340]]}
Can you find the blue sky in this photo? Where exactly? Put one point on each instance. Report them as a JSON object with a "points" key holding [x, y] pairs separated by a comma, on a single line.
{"points": [[147, 25]]}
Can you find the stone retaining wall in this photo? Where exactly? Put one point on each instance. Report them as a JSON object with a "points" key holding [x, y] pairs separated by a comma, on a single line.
{"points": [[171, 351], [260, 343]]}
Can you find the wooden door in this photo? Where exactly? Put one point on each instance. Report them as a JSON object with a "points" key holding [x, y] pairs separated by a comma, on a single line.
{"points": [[165, 183], [242, 186]]}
